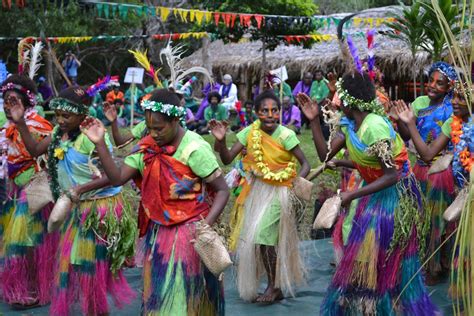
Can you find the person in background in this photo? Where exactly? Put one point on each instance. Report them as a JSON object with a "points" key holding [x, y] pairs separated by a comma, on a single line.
{"points": [[70, 65], [44, 88], [115, 94], [215, 111], [228, 92], [291, 116], [204, 103], [276, 82], [248, 117], [304, 86], [319, 88]]}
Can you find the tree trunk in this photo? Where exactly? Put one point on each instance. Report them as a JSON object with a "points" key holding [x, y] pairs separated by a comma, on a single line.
{"points": [[206, 61]]}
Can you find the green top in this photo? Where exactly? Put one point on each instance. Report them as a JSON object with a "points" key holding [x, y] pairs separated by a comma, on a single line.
{"points": [[3, 119], [446, 128], [420, 103], [287, 92], [220, 114], [139, 130], [283, 135], [319, 90], [193, 151]]}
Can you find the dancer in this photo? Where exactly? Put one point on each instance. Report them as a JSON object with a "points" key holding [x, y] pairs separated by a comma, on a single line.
{"points": [[264, 215], [377, 273], [181, 185], [431, 112], [100, 233], [29, 251]]}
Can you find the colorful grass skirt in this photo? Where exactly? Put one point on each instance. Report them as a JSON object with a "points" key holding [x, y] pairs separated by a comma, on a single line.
{"points": [[439, 192], [176, 282], [379, 260], [84, 274], [28, 251]]}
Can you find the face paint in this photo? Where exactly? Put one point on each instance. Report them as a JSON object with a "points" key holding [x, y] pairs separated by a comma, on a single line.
{"points": [[269, 115], [438, 87], [460, 106]]}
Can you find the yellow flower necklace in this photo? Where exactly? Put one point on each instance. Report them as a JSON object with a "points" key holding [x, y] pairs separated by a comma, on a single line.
{"points": [[281, 175]]}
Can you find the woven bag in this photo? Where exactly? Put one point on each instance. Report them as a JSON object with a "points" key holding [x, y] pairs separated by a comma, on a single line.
{"points": [[61, 210], [328, 213], [453, 212], [302, 188], [441, 164], [208, 244], [38, 193]]}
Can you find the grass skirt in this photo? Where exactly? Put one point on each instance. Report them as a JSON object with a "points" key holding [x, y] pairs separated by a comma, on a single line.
{"points": [[439, 192], [28, 251], [381, 257], [176, 282], [84, 274]]}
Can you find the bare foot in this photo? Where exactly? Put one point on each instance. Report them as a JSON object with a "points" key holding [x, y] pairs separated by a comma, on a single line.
{"points": [[270, 296]]}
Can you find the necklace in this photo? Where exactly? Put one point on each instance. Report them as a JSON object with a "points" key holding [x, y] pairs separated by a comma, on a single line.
{"points": [[462, 135]]}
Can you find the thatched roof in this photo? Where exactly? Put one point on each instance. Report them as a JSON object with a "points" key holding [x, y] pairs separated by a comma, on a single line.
{"points": [[243, 60]]}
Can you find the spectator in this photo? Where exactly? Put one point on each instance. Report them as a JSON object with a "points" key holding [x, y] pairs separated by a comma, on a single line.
{"points": [[291, 116], [215, 111], [115, 95], [44, 88], [249, 117], [70, 65], [228, 92], [319, 88], [304, 86], [276, 82]]}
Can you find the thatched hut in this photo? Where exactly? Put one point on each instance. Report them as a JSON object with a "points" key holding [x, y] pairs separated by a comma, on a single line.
{"points": [[244, 60]]}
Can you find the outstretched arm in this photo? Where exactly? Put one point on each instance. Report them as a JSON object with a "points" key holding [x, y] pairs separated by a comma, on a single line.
{"points": [[311, 110], [426, 152], [34, 147], [95, 131], [218, 130], [304, 170]]}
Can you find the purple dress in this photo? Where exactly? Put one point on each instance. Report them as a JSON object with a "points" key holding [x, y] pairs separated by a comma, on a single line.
{"points": [[301, 87], [204, 103], [292, 113]]}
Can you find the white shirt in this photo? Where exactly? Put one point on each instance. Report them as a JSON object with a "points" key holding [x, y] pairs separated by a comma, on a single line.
{"points": [[229, 102]]}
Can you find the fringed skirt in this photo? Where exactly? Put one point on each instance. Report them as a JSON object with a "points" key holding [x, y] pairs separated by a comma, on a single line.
{"points": [[268, 219], [439, 192], [28, 251], [377, 273], [176, 282], [95, 241]]}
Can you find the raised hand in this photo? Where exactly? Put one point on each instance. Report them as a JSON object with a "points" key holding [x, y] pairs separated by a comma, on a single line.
{"points": [[93, 129], [392, 112], [332, 79], [218, 129], [16, 108], [110, 112], [309, 107], [404, 112]]}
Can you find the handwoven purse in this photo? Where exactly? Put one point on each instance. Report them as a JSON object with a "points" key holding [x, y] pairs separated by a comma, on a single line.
{"points": [[453, 212], [61, 210], [210, 247], [38, 192], [302, 188], [328, 213], [441, 163]]}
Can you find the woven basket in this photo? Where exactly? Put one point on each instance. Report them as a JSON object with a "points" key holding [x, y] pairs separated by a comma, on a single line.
{"points": [[61, 210], [302, 188], [38, 193], [453, 212], [441, 164], [210, 247], [328, 213]]}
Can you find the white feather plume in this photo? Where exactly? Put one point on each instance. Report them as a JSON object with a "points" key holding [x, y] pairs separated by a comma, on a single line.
{"points": [[35, 60], [173, 58], [25, 59]]}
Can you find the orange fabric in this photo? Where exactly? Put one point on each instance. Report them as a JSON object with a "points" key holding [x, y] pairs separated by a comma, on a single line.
{"points": [[112, 96], [274, 155], [383, 99]]}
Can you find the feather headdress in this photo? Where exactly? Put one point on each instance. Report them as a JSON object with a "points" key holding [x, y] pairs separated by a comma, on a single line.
{"points": [[142, 59], [172, 55], [101, 84], [343, 45], [29, 57], [35, 60]]}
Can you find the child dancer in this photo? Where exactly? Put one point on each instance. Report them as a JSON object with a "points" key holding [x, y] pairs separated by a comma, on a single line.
{"points": [[431, 111], [28, 250], [181, 185], [100, 232], [382, 252], [265, 216]]}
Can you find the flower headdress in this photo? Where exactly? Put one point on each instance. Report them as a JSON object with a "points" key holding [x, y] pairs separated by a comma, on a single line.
{"points": [[67, 105], [373, 106], [444, 68], [14, 86], [166, 109]]}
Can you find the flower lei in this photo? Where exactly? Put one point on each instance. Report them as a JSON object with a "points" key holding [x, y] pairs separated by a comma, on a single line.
{"points": [[281, 175], [167, 109], [462, 135], [373, 106], [68, 106], [12, 86]]}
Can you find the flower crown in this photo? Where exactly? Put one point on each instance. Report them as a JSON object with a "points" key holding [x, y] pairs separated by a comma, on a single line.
{"points": [[446, 69], [165, 108], [13, 86], [68, 106], [348, 100]]}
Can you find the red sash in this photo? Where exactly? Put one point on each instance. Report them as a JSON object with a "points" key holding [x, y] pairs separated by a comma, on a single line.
{"points": [[171, 193]]}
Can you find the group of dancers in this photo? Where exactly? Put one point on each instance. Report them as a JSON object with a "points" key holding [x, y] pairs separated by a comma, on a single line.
{"points": [[391, 221]]}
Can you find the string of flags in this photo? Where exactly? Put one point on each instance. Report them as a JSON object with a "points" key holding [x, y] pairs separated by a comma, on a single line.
{"points": [[111, 10]]}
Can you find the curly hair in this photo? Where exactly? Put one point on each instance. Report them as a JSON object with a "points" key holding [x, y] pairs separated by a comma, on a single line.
{"points": [[359, 86], [214, 94], [267, 94]]}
